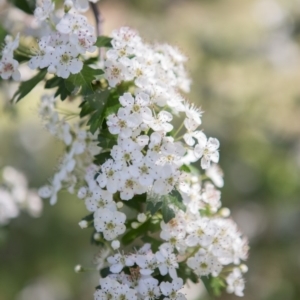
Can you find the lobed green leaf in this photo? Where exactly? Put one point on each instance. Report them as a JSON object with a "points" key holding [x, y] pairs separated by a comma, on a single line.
{"points": [[26, 86]]}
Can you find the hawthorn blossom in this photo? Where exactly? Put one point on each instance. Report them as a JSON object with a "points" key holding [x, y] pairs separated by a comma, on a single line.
{"points": [[111, 224]]}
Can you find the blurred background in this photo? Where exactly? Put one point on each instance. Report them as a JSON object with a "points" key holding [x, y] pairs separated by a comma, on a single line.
{"points": [[244, 60]]}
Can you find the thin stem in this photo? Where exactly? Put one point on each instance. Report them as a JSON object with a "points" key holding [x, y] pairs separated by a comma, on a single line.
{"points": [[178, 130], [98, 19]]}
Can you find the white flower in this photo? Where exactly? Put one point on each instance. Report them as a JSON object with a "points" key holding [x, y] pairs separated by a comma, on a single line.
{"points": [[211, 196], [168, 177], [170, 289], [149, 289], [9, 68], [109, 176], [235, 283], [119, 261], [207, 149], [65, 61], [122, 123], [115, 72], [8, 207], [111, 224], [215, 173], [43, 10], [203, 264], [100, 199], [166, 260]]}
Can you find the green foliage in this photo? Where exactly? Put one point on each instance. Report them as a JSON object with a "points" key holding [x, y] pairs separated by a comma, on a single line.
{"points": [[64, 88], [186, 273], [101, 158], [167, 212], [164, 203], [137, 201], [106, 139], [153, 208], [98, 102], [103, 41], [84, 79], [27, 6], [149, 226], [26, 86], [213, 285]]}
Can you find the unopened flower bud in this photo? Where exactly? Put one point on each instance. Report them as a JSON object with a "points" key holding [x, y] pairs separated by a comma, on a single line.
{"points": [[81, 193], [78, 269], [83, 224], [120, 205], [135, 225], [97, 236], [141, 218], [243, 268], [225, 212], [115, 244], [68, 5]]}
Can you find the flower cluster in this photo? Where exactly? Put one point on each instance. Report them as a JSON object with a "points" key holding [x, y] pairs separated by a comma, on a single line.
{"points": [[133, 153], [15, 196], [82, 147], [8, 65], [60, 50], [148, 157]]}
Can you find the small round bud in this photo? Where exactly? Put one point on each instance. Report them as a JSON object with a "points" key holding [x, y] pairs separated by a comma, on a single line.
{"points": [[78, 269], [8, 39], [141, 218], [68, 6], [115, 244], [82, 192], [97, 236], [83, 224], [225, 212], [120, 204], [135, 225], [243, 268]]}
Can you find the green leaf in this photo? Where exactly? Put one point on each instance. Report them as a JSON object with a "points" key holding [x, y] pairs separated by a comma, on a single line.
{"points": [[98, 101], [142, 230], [137, 201], [106, 143], [167, 212], [84, 79], [27, 6], [64, 88], [88, 218], [153, 207], [154, 242], [104, 272], [213, 285], [185, 168], [186, 273], [175, 198], [102, 158], [103, 41], [26, 86]]}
